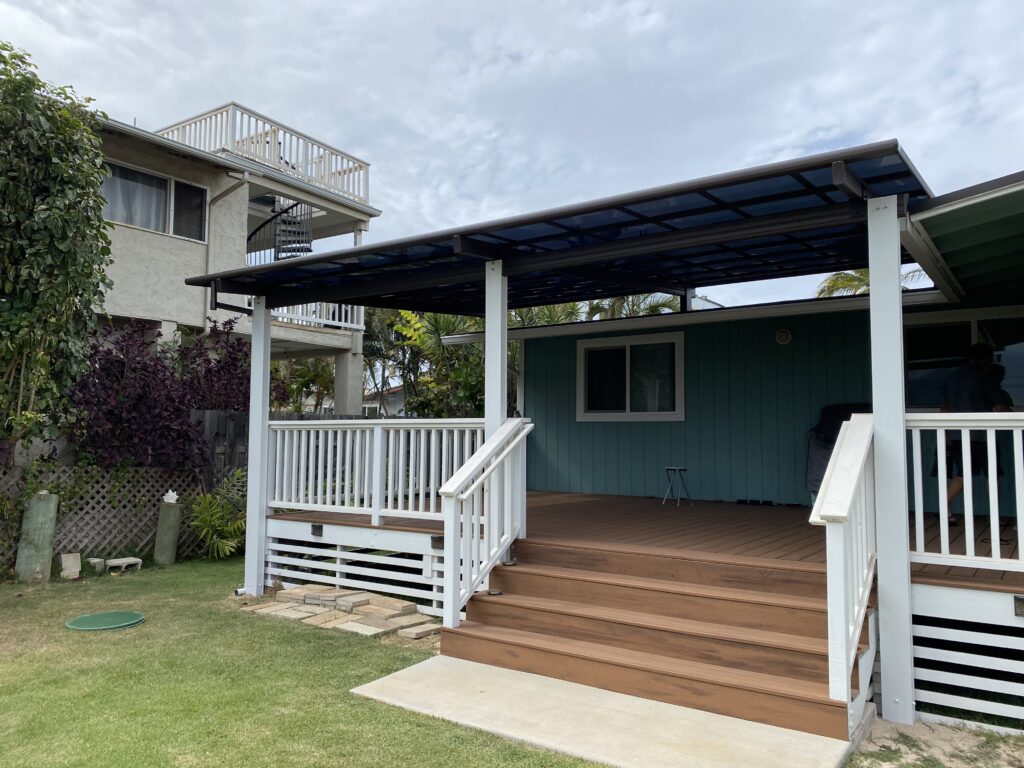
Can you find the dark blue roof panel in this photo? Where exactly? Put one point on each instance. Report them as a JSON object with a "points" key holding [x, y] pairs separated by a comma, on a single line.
{"points": [[778, 220]]}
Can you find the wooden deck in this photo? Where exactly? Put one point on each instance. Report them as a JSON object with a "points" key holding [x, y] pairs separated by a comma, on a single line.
{"points": [[724, 529]]}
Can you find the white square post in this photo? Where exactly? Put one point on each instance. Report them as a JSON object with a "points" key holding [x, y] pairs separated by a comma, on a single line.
{"points": [[495, 347], [259, 449], [890, 448]]}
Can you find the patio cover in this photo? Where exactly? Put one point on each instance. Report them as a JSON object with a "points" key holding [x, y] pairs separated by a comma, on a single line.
{"points": [[978, 233], [798, 217]]}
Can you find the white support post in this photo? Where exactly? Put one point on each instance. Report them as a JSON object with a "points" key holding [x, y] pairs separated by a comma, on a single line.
{"points": [[890, 461], [452, 563], [259, 449], [495, 347]]}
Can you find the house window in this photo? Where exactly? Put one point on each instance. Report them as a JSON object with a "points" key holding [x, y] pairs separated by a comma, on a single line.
{"points": [[144, 200], [631, 378], [189, 211]]}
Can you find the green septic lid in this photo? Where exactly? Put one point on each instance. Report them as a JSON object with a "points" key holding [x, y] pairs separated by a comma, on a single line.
{"points": [[108, 620]]}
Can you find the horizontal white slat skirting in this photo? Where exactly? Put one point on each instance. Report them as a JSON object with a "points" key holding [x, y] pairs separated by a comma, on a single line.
{"points": [[971, 705], [344, 554], [355, 570], [966, 636], [970, 681], [987, 610], [962, 561], [968, 659], [354, 536]]}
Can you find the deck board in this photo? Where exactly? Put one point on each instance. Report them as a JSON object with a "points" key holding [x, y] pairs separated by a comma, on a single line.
{"points": [[743, 530]]}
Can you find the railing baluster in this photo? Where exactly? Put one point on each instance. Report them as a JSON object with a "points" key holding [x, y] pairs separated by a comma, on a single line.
{"points": [[1018, 485], [993, 494], [943, 480], [917, 462], [968, 494]]}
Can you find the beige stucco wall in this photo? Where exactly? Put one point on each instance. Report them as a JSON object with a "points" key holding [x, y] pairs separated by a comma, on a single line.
{"points": [[149, 268]]}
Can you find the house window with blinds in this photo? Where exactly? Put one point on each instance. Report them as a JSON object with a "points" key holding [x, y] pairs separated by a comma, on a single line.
{"points": [[145, 200], [630, 378]]}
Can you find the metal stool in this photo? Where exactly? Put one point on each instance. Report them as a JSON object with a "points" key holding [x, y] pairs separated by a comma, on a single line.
{"points": [[672, 473]]}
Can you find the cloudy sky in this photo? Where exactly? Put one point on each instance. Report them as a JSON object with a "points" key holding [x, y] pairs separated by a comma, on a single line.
{"points": [[470, 110]]}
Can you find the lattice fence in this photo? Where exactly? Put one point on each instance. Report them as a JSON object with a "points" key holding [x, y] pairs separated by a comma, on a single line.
{"points": [[105, 514]]}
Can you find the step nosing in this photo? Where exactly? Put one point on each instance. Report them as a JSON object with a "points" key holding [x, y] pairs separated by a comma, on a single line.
{"points": [[664, 585], [522, 638], [736, 633]]}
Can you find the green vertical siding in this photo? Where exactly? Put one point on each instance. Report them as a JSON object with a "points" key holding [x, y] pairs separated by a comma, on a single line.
{"points": [[749, 403]]}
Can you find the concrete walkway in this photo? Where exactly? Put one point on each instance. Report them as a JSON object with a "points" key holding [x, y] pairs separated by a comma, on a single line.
{"points": [[594, 724]]}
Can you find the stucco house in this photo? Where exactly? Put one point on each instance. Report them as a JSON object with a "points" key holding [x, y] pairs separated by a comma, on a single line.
{"points": [[223, 190], [543, 539]]}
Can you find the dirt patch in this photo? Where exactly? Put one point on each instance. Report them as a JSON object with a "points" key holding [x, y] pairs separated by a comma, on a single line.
{"points": [[930, 745]]}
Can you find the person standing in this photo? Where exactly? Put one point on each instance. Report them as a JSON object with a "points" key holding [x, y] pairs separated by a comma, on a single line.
{"points": [[970, 389]]}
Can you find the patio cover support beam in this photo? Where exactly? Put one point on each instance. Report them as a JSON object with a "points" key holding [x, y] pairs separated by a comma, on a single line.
{"points": [[495, 347], [259, 449], [890, 460]]}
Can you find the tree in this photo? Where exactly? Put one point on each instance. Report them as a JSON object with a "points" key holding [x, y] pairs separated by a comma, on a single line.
{"points": [[54, 249], [311, 377], [855, 282], [632, 306]]}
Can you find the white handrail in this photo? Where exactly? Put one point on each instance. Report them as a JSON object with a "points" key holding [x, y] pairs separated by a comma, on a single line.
{"points": [[968, 460], [484, 509], [846, 507]]}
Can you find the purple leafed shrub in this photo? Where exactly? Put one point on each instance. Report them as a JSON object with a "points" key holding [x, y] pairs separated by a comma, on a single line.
{"points": [[133, 403]]}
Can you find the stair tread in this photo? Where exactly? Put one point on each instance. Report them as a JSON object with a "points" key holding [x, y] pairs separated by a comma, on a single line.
{"points": [[677, 554], [665, 665], [731, 632], [662, 585]]}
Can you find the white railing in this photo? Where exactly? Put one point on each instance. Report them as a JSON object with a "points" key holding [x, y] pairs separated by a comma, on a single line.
{"points": [[322, 315], [846, 507], [978, 459], [245, 132], [390, 468], [484, 507]]}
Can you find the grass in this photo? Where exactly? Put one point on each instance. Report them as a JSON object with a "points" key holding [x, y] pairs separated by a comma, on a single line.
{"points": [[204, 684]]}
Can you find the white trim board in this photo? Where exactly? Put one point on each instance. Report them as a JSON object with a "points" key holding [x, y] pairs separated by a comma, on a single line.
{"points": [[788, 309]]}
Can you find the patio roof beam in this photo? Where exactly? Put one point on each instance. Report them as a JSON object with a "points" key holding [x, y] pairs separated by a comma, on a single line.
{"points": [[712, 235]]}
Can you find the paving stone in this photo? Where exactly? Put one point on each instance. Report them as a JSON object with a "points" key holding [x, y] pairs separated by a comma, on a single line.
{"points": [[386, 627], [289, 613], [400, 607], [321, 619], [350, 602], [363, 629], [380, 613], [314, 610], [272, 608], [410, 620], [298, 594], [423, 630], [345, 618]]}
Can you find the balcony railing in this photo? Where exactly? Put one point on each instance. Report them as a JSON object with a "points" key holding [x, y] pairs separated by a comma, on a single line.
{"points": [[241, 131], [322, 315]]}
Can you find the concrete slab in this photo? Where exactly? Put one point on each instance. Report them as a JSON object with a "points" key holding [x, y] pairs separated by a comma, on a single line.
{"points": [[594, 724]]}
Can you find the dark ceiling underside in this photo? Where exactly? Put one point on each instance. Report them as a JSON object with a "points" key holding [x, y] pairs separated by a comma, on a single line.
{"points": [[788, 219]]}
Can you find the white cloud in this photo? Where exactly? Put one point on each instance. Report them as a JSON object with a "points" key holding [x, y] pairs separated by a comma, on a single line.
{"points": [[470, 110]]}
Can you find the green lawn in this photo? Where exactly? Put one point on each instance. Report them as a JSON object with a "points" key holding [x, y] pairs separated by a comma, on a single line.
{"points": [[204, 684]]}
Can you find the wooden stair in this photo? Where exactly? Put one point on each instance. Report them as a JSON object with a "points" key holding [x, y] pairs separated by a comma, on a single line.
{"points": [[743, 637]]}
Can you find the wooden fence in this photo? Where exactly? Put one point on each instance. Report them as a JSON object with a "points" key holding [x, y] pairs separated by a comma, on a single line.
{"points": [[107, 513]]}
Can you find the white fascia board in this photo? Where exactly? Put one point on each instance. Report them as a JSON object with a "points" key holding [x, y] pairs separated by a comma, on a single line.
{"points": [[700, 317]]}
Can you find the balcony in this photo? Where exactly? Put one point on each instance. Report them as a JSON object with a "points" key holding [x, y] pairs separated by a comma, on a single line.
{"points": [[242, 132], [322, 315]]}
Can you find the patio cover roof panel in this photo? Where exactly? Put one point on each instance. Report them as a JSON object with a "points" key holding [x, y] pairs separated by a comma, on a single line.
{"points": [[779, 220]]}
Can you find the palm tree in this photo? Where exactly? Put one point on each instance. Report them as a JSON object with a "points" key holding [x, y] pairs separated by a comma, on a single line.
{"points": [[855, 282], [632, 306]]}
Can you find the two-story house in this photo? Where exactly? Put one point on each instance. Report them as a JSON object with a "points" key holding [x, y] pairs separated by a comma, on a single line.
{"points": [[224, 190]]}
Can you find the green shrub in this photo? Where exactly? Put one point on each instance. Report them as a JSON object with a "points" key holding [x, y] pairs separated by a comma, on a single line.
{"points": [[218, 518]]}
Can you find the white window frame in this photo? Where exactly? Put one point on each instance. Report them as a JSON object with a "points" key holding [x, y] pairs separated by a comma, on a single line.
{"points": [[172, 180], [582, 345]]}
